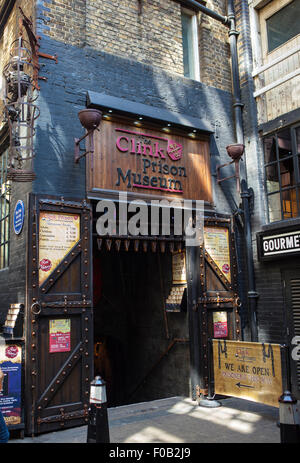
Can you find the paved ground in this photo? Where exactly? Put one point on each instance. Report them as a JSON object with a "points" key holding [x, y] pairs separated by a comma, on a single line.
{"points": [[180, 420]]}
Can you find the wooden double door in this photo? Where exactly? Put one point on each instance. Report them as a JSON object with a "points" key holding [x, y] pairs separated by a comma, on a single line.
{"points": [[59, 320], [59, 324], [212, 299]]}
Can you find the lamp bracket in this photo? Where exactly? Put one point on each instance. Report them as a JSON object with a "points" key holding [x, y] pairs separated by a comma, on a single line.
{"points": [[77, 155], [236, 175]]}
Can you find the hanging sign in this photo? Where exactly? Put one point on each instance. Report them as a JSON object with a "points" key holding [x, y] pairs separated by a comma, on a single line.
{"points": [[18, 218], [58, 234], [144, 160], [10, 389], [216, 243], [248, 370], [59, 335], [277, 245], [220, 324]]}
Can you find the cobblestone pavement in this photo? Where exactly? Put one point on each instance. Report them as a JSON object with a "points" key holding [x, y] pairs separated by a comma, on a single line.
{"points": [[180, 420]]}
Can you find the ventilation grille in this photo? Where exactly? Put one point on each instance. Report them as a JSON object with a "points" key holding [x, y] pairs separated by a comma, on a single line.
{"points": [[295, 296]]}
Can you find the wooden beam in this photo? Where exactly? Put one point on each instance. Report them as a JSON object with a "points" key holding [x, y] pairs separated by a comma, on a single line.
{"points": [[265, 89], [280, 58]]}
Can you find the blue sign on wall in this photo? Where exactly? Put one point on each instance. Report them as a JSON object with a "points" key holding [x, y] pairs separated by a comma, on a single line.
{"points": [[19, 214]]}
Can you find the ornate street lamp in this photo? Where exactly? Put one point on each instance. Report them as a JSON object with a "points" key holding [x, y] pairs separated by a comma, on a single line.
{"points": [[20, 94]]}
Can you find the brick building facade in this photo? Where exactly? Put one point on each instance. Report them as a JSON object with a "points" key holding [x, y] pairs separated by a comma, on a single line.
{"points": [[130, 57]]}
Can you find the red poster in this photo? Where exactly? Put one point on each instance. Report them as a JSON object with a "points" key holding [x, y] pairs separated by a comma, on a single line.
{"points": [[59, 336], [220, 324]]}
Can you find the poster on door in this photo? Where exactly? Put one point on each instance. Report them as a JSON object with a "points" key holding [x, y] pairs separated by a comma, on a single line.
{"points": [[58, 234], [220, 324], [216, 243], [59, 335], [10, 386]]}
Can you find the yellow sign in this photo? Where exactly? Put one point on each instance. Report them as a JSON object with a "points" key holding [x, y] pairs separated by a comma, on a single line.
{"points": [[248, 370], [58, 234], [178, 268], [216, 243]]}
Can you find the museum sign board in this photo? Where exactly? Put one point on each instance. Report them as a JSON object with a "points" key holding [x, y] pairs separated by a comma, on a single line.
{"points": [[143, 160]]}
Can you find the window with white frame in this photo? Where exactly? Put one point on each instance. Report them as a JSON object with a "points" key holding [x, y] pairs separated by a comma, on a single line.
{"points": [[283, 25], [190, 44]]}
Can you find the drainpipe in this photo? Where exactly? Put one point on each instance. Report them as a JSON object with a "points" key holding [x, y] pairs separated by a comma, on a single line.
{"points": [[246, 193], [237, 104], [228, 21]]}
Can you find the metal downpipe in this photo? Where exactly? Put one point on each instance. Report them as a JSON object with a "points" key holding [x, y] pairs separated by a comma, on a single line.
{"points": [[246, 193]]}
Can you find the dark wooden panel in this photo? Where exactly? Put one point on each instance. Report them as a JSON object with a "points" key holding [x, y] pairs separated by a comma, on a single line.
{"points": [[57, 383], [142, 154]]}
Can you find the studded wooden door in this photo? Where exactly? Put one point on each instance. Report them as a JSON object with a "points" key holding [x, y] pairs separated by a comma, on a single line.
{"points": [[213, 301], [59, 326]]}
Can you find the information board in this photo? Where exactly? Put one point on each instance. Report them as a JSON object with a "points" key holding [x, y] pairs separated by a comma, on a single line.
{"points": [[58, 234], [248, 370], [10, 389], [216, 243]]}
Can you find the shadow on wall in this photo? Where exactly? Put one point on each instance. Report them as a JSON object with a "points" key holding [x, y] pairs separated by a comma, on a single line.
{"points": [[64, 94]]}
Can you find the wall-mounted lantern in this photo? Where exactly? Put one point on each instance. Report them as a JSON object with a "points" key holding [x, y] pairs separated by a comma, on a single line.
{"points": [[20, 94], [235, 152], [90, 119]]}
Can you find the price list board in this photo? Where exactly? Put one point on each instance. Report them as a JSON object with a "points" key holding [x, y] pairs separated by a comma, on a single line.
{"points": [[58, 234]]}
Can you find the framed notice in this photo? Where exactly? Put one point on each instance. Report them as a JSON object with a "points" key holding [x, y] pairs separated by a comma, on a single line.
{"points": [[10, 389], [216, 243], [178, 268], [59, 335], [58, 234]]}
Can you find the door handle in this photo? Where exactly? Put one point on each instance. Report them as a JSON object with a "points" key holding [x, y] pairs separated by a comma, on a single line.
{"points": [[36, 308]]}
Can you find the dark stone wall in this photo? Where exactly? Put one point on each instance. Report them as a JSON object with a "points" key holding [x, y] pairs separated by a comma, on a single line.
{"points": [[62, 96], [13, 278], [82, 69]]}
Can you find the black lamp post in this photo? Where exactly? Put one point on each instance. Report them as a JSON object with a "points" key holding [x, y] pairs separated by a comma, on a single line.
{"points": [[98, 430]]}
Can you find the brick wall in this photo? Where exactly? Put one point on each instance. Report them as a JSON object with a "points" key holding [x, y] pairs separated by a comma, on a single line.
{"points": [[214, 48], [145, 31]]}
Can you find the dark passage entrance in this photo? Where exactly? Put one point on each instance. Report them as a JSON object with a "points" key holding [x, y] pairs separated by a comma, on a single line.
{"points": [[139, 349]]}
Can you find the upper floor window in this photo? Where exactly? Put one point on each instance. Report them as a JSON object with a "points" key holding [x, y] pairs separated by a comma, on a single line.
{"points": [[4, 210], [190, 44], [283, 25], [282, 162]]}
